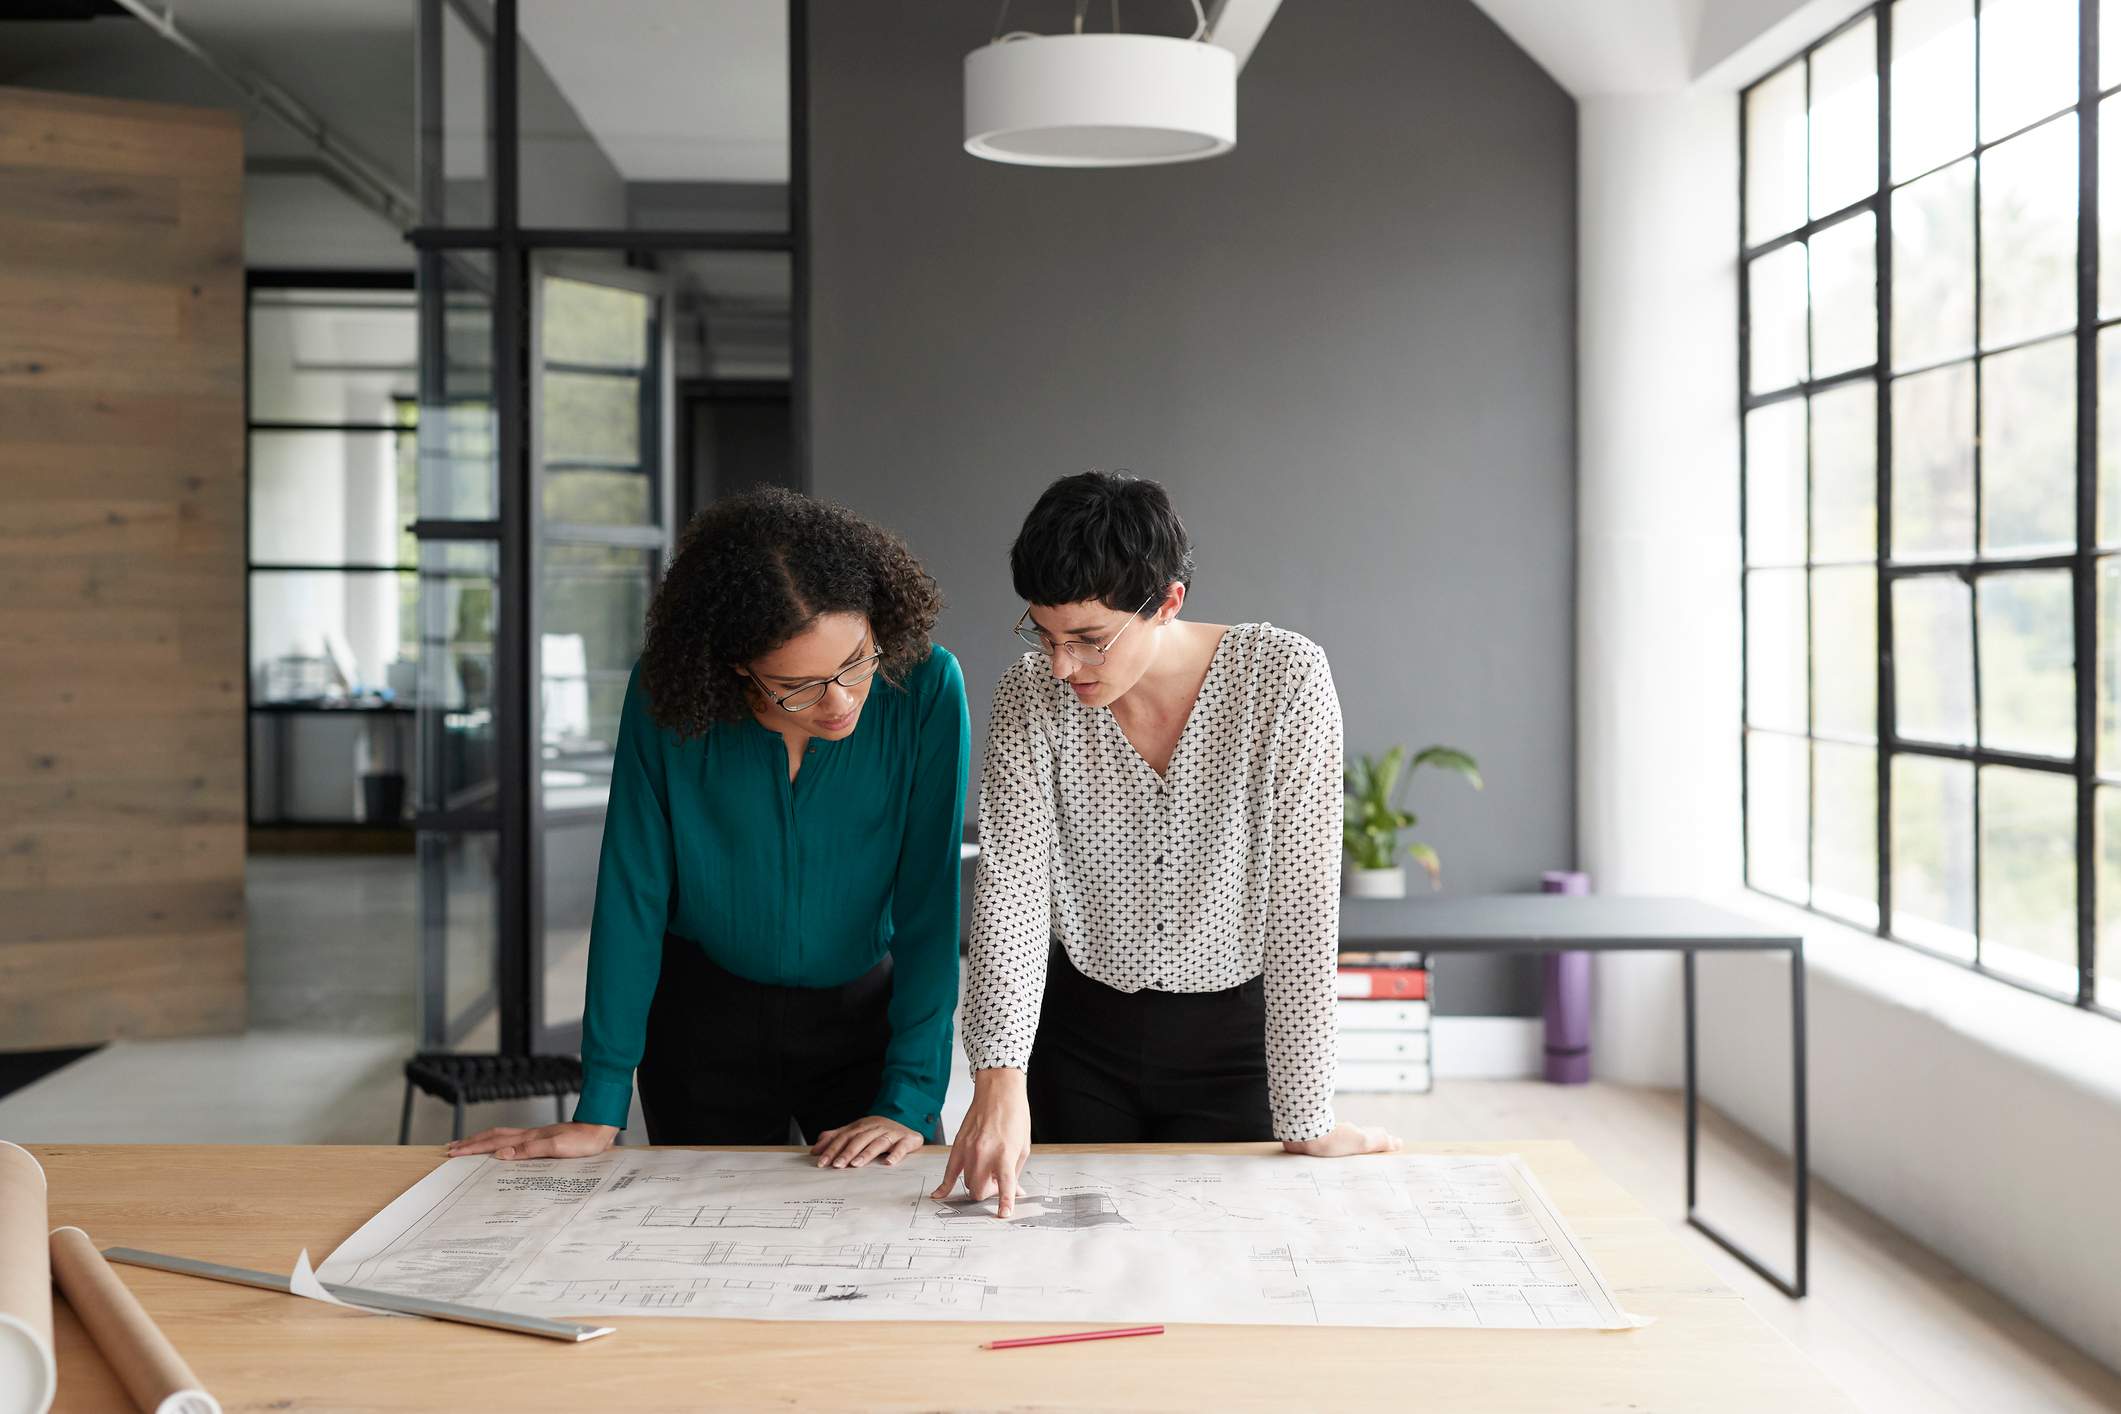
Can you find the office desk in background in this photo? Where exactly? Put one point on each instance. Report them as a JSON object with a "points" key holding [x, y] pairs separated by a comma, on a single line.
{"points": [[1548, 923], [256, 1206]]}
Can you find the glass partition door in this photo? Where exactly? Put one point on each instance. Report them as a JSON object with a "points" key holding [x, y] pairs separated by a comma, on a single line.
{"points": [[601, 396]]}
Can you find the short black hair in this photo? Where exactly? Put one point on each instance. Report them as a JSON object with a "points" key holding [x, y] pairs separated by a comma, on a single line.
{"points": [[755, 570], [1113, 538]]}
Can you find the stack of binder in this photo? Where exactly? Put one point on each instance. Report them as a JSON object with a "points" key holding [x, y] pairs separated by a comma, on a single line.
{"points": [[1384, 1023]]}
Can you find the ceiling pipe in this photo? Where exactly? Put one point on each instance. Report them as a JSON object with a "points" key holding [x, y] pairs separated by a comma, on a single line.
{"points": [[1237, 25], [353, 171]]}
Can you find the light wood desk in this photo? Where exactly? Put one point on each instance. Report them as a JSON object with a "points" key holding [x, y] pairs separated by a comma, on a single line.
{"points": [[256, 1350]]}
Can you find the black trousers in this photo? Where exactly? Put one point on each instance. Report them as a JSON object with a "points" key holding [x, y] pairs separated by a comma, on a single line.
{"points": [[1112, 1067], [730, 1061]]}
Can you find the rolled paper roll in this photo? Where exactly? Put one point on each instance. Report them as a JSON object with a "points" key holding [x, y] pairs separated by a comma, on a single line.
{"points": [[149, 1367], [28, 1378]]}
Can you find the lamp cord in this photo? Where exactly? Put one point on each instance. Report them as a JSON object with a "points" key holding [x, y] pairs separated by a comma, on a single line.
{"points": [[1200, 22]]}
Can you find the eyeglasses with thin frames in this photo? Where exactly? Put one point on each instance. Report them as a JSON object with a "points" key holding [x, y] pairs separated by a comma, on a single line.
{"points": [[1081, 650], [805, 696]]}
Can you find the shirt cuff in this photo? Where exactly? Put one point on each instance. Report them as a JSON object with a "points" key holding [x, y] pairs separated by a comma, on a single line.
{"points": [[993, 1055], [1317, 1124], [920, 1112], [604, 1100]]}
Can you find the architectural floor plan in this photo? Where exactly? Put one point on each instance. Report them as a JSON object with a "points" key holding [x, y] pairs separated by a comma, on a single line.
{"points": [[1385, 1240]]}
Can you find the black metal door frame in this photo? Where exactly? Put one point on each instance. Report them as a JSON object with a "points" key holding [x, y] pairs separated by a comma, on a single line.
{"points": [[517, 815]]}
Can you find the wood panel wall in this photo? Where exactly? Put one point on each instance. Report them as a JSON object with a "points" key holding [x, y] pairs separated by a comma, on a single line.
{"points": [[121, 570]]}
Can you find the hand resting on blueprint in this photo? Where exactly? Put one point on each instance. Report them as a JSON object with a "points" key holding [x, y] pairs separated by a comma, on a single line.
{"points": [[547, 1141], [870, 1137], [1344, 1139]]}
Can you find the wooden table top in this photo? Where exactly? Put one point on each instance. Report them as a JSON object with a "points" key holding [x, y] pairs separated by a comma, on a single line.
{"points": [[256, 1206]]}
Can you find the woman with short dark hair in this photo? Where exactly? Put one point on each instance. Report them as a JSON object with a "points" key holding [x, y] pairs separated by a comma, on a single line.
{"points": [[775, 935], [1155, 920]]}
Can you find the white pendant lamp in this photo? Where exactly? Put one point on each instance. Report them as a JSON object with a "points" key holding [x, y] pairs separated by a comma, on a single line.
{"points": [[1100, 100]]}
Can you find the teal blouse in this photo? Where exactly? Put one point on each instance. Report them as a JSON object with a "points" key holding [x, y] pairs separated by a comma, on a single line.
{"points": [[806, 883]]}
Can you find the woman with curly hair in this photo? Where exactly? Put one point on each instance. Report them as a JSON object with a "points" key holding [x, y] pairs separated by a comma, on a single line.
{"points": [[776, 923]]}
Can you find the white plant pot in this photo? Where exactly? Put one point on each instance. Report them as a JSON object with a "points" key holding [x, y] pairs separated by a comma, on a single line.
{"points": [[1376, 883]]}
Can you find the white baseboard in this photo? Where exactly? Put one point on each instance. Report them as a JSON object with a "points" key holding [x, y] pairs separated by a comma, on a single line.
{"points": [[1487, 1047]]}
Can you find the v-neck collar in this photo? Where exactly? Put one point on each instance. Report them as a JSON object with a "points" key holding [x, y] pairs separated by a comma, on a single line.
{"points": [[1185, 733]]}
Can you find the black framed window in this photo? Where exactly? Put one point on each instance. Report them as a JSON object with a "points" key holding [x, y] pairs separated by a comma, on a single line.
{"points": [[332, 587], [1931, 503]]}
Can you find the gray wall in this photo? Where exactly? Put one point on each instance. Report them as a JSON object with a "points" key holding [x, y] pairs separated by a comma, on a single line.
{"points": [[1347, 348]]}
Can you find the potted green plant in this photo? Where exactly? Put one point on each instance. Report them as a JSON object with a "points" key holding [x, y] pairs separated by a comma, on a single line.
{"points": [[1373, 821]]}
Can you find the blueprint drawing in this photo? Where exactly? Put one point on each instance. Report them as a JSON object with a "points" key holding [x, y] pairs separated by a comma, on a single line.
{"points": [[1382, 1240]]}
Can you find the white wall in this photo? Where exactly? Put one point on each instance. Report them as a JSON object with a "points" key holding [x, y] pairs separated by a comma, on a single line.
{"points": [[1657, 534]]}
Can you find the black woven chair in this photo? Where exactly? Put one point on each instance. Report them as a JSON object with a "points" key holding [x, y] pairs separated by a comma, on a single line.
{"points": [[464, 1080]]}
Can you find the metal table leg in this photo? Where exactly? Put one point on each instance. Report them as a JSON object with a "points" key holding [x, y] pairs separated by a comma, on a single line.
{"points": [[1799, 1131]]}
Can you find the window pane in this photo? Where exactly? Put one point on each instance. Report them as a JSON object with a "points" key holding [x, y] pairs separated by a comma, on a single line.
{"points": [[332, 356], [459, 451], [1845, 652], [2029, 876], [2029, 449], [2028, 688], [2028, 62], [601, 325], [1845, 295], [458, 139], [593, 601], [326, 498], [2108, 523], [592, 417], [2110, 195], [2106, 957], [1933, 464], [1845, 118], [2029, 235], [1777, 803], [1774, 654], [1933, 84], [1777, 313], [1933, 268], [327, 634], [589, 497], [1933, 853], [1774, 155], [458, 611], [1845, 832], [460, 923], [1845, 473], [2109, 670], [1774, 484], [1933, 659]]}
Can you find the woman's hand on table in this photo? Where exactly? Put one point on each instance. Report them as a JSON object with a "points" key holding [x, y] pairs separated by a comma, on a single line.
{"points": [[1344, 1139], [549, 1141], [870, 1137], [993, 1142]]}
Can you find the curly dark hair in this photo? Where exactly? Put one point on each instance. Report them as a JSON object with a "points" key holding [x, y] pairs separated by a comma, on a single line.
{"points": [[753, 571]]}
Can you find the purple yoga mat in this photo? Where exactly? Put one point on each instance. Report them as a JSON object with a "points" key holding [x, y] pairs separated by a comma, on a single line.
{"points": [[1568, 1003]]}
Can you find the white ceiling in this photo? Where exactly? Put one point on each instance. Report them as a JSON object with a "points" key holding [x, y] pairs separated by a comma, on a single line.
{"points": [[672, 90], [349, 61], [1601, 47]]}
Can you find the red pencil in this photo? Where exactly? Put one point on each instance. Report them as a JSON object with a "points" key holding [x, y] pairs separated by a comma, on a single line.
{"points": [[1064, 1339]]}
